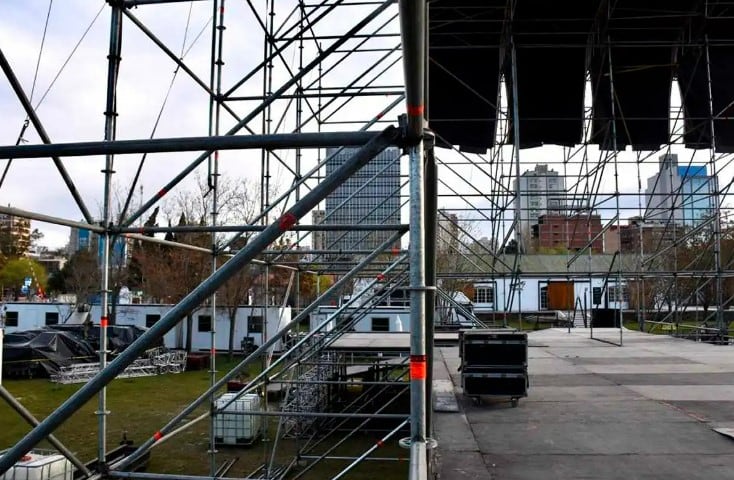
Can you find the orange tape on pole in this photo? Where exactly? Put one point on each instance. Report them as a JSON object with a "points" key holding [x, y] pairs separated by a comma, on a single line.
{"points": [[415, 110], [417, 367]]}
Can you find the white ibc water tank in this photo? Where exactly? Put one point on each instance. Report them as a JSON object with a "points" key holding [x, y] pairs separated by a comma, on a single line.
{"points": [[40, 466], [232, 426]]}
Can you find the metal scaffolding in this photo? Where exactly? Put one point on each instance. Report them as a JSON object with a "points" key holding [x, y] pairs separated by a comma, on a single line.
{"points": [[335, 74]]}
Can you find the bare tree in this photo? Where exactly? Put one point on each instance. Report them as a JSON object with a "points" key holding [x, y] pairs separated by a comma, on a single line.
{"points": [[168, 274], [233, 294]]}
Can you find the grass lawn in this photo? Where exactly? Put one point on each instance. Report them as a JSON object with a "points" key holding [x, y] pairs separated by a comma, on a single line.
{"points": [[139, 406]]}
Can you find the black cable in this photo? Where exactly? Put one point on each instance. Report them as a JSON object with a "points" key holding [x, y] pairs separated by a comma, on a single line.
{"points": [[40, 50], [73, 51]]}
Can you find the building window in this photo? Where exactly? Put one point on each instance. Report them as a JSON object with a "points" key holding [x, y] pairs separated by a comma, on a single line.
{"points": [[205, 323], [52, 318], [255, 324], [380, 324], [596, 296], [544, 297], [11, 319], [150, 319], [614, 294], [484, 295]]}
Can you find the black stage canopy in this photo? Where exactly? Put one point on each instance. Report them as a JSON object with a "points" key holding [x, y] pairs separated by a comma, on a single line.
{"points": [[629, 50]]}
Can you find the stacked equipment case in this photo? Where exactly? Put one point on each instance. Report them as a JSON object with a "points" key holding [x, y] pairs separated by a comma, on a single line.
{"points": [[494, 363]]}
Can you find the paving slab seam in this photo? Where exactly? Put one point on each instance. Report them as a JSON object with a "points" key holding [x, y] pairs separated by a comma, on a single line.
{"points": [[698, 418], [472, 465]]}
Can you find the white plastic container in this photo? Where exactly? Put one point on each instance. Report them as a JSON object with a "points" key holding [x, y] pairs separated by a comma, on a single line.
{"points": [[233, 426], [40, 466]]}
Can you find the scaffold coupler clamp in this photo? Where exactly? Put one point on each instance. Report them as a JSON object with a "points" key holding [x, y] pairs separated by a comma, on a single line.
{"points": [[406, 442]]}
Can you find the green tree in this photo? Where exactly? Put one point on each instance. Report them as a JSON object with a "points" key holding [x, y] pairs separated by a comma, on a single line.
{"points": [[14, 273]]}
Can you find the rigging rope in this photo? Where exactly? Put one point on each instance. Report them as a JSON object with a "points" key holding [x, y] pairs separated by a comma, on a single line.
{"points": [[40, 50], [33, 88], [68, 58]]}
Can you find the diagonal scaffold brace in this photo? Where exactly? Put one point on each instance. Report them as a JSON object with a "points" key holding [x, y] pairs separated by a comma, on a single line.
{"points": [[388, 137]]}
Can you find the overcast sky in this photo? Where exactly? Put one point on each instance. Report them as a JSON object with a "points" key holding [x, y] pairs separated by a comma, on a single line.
{"points": [[73, 108]]}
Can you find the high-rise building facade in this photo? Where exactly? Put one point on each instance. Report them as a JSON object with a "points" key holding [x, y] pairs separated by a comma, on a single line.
{"points": [[82, 239], [15, 235], [681, 194], [447, 233], [370, 196], [541, 191]]}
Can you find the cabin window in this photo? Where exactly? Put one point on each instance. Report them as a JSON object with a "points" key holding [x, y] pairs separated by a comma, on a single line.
{"points": [[380, 324], [52, 318], [151, 318], [484, 295], [205, 323], [544, 297], [616, 294], [255, 324], [11, 319]]}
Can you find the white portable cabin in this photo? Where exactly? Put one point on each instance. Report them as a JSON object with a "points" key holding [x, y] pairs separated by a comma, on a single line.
{"points": [[257, 322], [22, 316], [376, 319]]}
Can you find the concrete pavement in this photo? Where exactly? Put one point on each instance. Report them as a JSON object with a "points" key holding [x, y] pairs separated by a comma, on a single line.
{"points": [[646, 410]]}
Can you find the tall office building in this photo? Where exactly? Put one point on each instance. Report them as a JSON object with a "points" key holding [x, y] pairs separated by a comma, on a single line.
{"points": [[683, 194], [15, 235], [370, 196], [82, 239], [447, 233], [541, 191]]}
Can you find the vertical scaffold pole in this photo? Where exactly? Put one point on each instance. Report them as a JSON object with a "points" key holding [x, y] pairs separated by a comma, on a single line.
{"points": [[721, 325], [113, 67], [413, 35], [418, 360]]}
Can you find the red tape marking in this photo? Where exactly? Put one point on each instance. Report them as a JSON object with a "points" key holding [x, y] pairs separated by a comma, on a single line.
{"points": [[380, 277], [157, 435], [161, 192], [415, 110], [287, 221], [103, 322], [417, 367], [380, 443]]}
